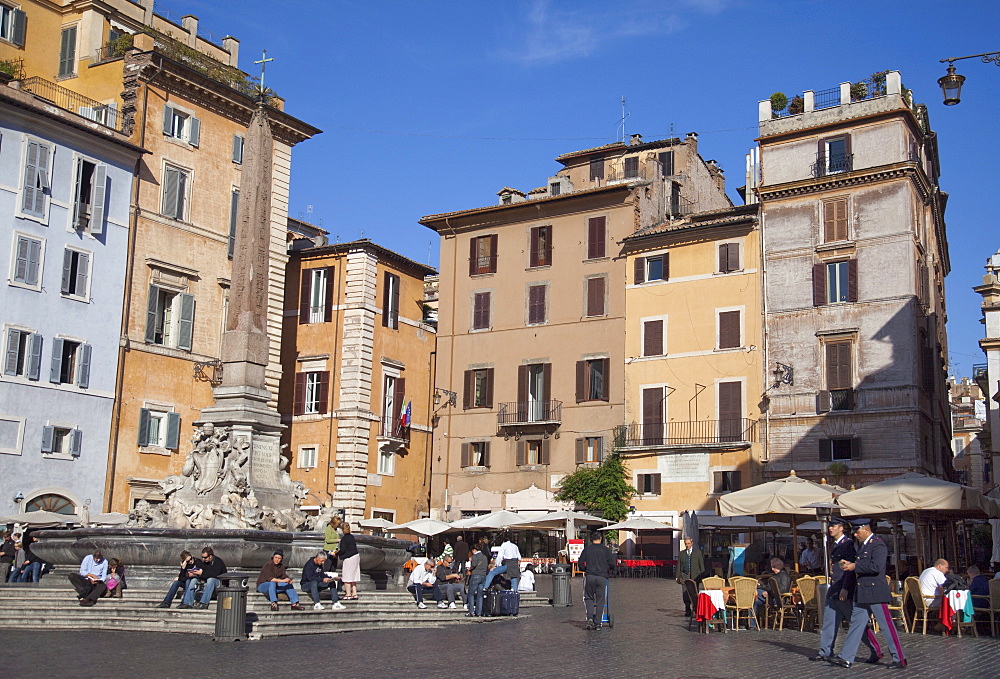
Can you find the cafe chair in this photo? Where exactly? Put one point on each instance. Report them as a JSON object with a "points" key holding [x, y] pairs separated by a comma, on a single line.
{"points": [[922, 611], [779, 605], [810, 601], [713, 582], [691, 589], [746, 593], [896, 611], [993, 609]]}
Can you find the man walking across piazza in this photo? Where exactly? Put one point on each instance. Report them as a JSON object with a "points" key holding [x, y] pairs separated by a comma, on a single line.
{"points": [[598, 563]]}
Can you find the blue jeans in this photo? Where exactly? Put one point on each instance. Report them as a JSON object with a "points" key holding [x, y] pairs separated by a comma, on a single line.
{"points": [[419, 591], [172, 592], [271, 589], [192, 585], [475, 597], [30, 573], [497, 571], [314, 587]]}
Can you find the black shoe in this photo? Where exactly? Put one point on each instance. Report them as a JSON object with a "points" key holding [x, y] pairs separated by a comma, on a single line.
{"points": [[470, 615], [819, 656], [184, 606], [590, 625], [873, 659], [163, 605], [201, 605], [597, 627], [897, 665], [87, 602], [687, 612], [837, 660]]}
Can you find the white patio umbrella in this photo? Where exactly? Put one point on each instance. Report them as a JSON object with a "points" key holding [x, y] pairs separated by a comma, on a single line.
{"points": [[564, 518], [638, 523], [916, 492], [108, 519], [41, 519], [501, 518], [426, 527], [379, 523]]}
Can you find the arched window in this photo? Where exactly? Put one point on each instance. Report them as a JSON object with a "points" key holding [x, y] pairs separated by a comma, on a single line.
{"points": [[51, 503]]}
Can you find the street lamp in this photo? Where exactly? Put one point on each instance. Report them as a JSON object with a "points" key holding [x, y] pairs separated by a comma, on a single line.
{"points": [[951, 83]]}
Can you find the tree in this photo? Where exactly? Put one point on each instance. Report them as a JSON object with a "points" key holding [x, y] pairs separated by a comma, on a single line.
{"points": [[605, 488]]}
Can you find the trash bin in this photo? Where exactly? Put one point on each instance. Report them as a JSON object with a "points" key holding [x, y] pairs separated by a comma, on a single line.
{"points": [[561, 595], [821, 591], [231, 614]]}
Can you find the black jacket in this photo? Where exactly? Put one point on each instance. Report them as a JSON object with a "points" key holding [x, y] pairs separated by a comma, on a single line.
{"points": [[212, 569], [348, 547], [596, 560], [7, 551], [693, 570], [312, 573], [182, 574], [840, 579], [872, 587]]}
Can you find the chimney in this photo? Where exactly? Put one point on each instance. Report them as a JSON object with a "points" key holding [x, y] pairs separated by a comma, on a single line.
{"points": [[190, 24], [692, 140], [635, 140]]}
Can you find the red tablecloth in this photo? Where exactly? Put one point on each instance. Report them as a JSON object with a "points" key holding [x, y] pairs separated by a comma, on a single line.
{"points": [[946, 614], [633, 563], [705, 609]]}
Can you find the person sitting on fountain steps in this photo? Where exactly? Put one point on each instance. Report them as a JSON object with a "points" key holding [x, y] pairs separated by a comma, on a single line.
{"points": [[89, 582], [273, 580], [207, 570], [187, 565], [315, 579]]}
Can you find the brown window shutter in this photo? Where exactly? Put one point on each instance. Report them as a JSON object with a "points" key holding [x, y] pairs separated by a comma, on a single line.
{"points": [[581, 451], [533, 247], [473, 256], [304, 291], [606, 366], [399, 392], [486, 454], [852, 280], [730, 411], [826, 450], [821, 158], [394, 301], [652, 338], [667, 163], [299, 406], [489, 388], [493, 253], [536, 304], [543, 455], [656, 484], [841, 216], [468, 394], [329, 294], [724, 258], [546, 383], [597, 169], [729, 329], [595, 297], [466, 455], [545, 252], [581, 381], [522, 383], [666, 266], [640, 271], [855, 448], [481, 311], [838, 365], [829, 221], [819, 284], [600, 449], [521, 456], [652, 413], [596, 237], [823, 401], [734, 257], [385, 300], [324, 392]]}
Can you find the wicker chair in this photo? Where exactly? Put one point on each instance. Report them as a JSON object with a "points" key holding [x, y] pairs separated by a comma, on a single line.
{"points": [[810, 602], [896, 607], [691, 589], [994, 606], [922, 611], [713, 582], [779, 604], [746, 594]]}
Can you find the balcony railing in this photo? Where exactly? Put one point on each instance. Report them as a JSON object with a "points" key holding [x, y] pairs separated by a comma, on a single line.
{"points": [[529, 412], [73, 102], [696, 433], [980, 371], [835, 164]]}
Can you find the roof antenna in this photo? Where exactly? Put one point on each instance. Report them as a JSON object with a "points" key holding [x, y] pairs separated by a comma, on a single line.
{"points": [[430, 251], [624, 116]]}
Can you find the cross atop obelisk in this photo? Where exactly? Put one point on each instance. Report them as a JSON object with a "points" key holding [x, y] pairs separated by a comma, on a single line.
{"points": [[263, 64]]}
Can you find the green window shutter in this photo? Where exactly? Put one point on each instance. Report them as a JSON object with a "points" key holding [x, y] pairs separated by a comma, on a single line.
{"points": [[67, 52], [185, 324], [234, 207], [75, 442], [194, 131], [171, 192], [34, 356], [83, 369], [55, 369], [237, 149], [19, 24], [67, 273], [152, 313], [168, 120], [98, 194], [13, 342], [173, 431], [48, 437], [143, 427]]}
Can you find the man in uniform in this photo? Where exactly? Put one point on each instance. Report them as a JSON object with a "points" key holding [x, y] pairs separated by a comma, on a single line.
{"points": [[691, 566], [871, 595], [840, 594]]}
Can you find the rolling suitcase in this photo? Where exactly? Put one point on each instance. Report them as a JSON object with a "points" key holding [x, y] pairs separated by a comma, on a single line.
{"points": [[503, 602]]}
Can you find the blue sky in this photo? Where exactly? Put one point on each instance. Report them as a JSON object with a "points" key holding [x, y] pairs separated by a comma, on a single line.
{"points": [[433, 106]]}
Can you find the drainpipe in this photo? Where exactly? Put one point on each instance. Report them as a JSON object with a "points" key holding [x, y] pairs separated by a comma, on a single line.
{"points": [[765, 336], [330, 458]]}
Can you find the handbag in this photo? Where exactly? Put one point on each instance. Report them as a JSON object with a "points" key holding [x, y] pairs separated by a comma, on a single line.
{"points": [[111, 582]]}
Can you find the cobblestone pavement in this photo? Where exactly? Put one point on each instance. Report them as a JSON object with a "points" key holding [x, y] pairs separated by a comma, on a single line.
{"points": [[650, 639]]}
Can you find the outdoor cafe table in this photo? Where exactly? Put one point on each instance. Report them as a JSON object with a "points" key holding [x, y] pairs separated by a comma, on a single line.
{"points": [[711, 602], [649, 563], [956, 603]]}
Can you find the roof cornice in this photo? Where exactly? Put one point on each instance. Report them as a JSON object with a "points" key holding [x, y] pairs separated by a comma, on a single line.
{"points": [[838, 182]]}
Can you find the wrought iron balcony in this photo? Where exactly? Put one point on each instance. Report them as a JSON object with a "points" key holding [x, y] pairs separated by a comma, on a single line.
{"points": [[833, 164], [73, 102], [518, 413], [699, 433], [981, 376]]}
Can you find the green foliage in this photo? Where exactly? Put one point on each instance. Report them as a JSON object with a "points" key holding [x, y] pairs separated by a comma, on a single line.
{"points": [[778, 101], [12, 67], [174, 49], [797, 105], [859, 91], [120, 45], [605, 488], [837, 468]]}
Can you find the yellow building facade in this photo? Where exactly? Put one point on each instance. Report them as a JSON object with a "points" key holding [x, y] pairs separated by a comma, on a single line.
{"points": [[694, 386]]}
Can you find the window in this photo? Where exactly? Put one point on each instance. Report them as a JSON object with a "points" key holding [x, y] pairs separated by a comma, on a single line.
{"points": [[655, 268], [536, 304], [533, 452], [505, 199], [234, 213], [105, 114], [62, 441], [393, 394], [729, 257], [238, 149], [478, 389], [730, 402], [27, 261], [70, 363], [36, 179], [67, 52], [316, 295], [592, 379], [726, 482], [23, 357], [534, 393], [835, 155], [596, 169], [169, 318], [390, 301], [835, 220], [839, 449], [729, 330], [589, 449], [88, 196], [175, 182], [476, 454], [653, 405], [841, 281], [483, 255], [312, 391], [386, 462], [648, 484], [555, 188], [666, 160], [652, 338], [481, 303], [76, 273], [595, 305], [597, 228], [839, 394], [540, 250], [159, 429], [308, 457], [12, 25], [631, 167], [182, 126]]}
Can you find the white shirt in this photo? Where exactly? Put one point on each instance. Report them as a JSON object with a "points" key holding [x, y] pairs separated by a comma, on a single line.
{"points": [[420, 575], [90, 567], [930, 584], [508, 550], [527, 582]]}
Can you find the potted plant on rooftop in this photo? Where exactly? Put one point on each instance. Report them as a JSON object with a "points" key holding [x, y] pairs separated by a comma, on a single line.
{"points": [[778, 103]]}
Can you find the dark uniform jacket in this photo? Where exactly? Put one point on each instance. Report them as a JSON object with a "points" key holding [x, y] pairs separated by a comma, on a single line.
{"points": [[693, 566], [872, 587], [840, 579]]}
